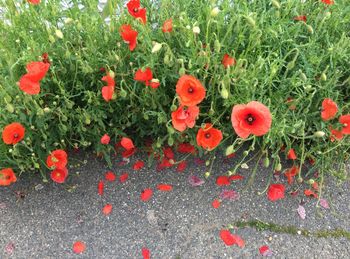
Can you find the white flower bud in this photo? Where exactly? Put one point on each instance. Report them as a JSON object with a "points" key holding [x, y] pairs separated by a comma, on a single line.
{"points": [[196, 30]]}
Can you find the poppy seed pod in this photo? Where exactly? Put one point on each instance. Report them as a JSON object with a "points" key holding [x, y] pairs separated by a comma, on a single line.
{"points": [[224, 93], [229, 150], [170, 141], [217, 46], [59, 34], [266, 162], [10, 108], [278, 167], [310, 29], [250, 21], [323, 77]]}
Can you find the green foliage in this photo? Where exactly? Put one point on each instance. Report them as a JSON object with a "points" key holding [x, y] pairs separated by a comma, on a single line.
{"points": [[277, 58]]}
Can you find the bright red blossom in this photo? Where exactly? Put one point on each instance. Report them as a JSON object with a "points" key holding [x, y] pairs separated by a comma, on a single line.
{"points": [[209, 137], [290, 173], [129, 36], [127, 143], [168, 25], [7, 176], [108, 90], [228, 61], [301, 18], [59, 175], [184, 117], [135, 10], [276, 192], [329, 109], [13, 133], [328, 2], [252, 118], [309, 192], [291, 154], [34, 2], [57, 159], [335, 134], [105, 139], [190, 90], [345, 120], [27, 85], [37, 70]]}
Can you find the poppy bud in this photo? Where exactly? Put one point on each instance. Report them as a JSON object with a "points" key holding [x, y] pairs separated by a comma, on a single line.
{"points": [[171, 130], [291, 65], [245, 153], [311, 181], [8, 98], [229, 150], [122, 93], [10, 108], [158, 144], [276, 4], [224, 93], [217, 46], [59, 34], [211, 111], [156, 47], [64, 117], [300, 180], [278, 167], [207, 163], [266, 162], [303, 76], [166, 59], [319, 134], [308, 88], [87, 120], [51, 39], [173, 107], [323, 77], [207, 174], [68, 20], [215, 11], [310, 29], [182, 71], [251, 21], [40, 112], [170, 143]]}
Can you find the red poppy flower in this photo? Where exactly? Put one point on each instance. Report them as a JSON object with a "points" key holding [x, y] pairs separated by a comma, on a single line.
{"points": [[146, 194], [252, 118], [168, 153], [222, 180], [37, 70], [127, 143], [13, 133], [291, 154], [138, 165], [100, 187], [184, 117], [129, 36], [107, 209], [27, 85], [290, 173], [216, 204], [144, 75], [329, 109], [300, 18], [181, 166], [154, 83], [209, 137], [134, 8], [110, 176], [228, 61], [328, 2], [345, 120], [57, 159], [168, 25], [186, 148], [128, 153], [190, 90], [7, 176], [108, 90], [123, 177], [146, 253], [335, 134], [276, 192], [59, 175], [105, 139], [309, 192], [34, 2], [230, 239], [79, 247], [164, 187]]}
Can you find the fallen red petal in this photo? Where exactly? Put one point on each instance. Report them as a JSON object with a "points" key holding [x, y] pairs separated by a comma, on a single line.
{"points": [[216, 204], [164, 187], [110, 176], [146, 194], [236, 177], [107, 209], [222, 180], [181, 166], [146, 253], [138, 165], [100, 187], [79, 247], [123, 177]]}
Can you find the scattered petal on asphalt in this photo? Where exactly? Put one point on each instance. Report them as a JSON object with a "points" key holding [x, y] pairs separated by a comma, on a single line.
{"points": [[324, 203], [146, 194], [123, 177], [110, 176], [216, 204], [222, 180], [195, 180], [79, 247], [107, 209], [229, 195], [146, 253], [164, 187], [100, 187], [265, 251], [301, 211]]}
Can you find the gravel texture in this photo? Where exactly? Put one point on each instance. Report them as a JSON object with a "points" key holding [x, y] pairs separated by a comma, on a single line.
{"points": [[43, 220]]}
